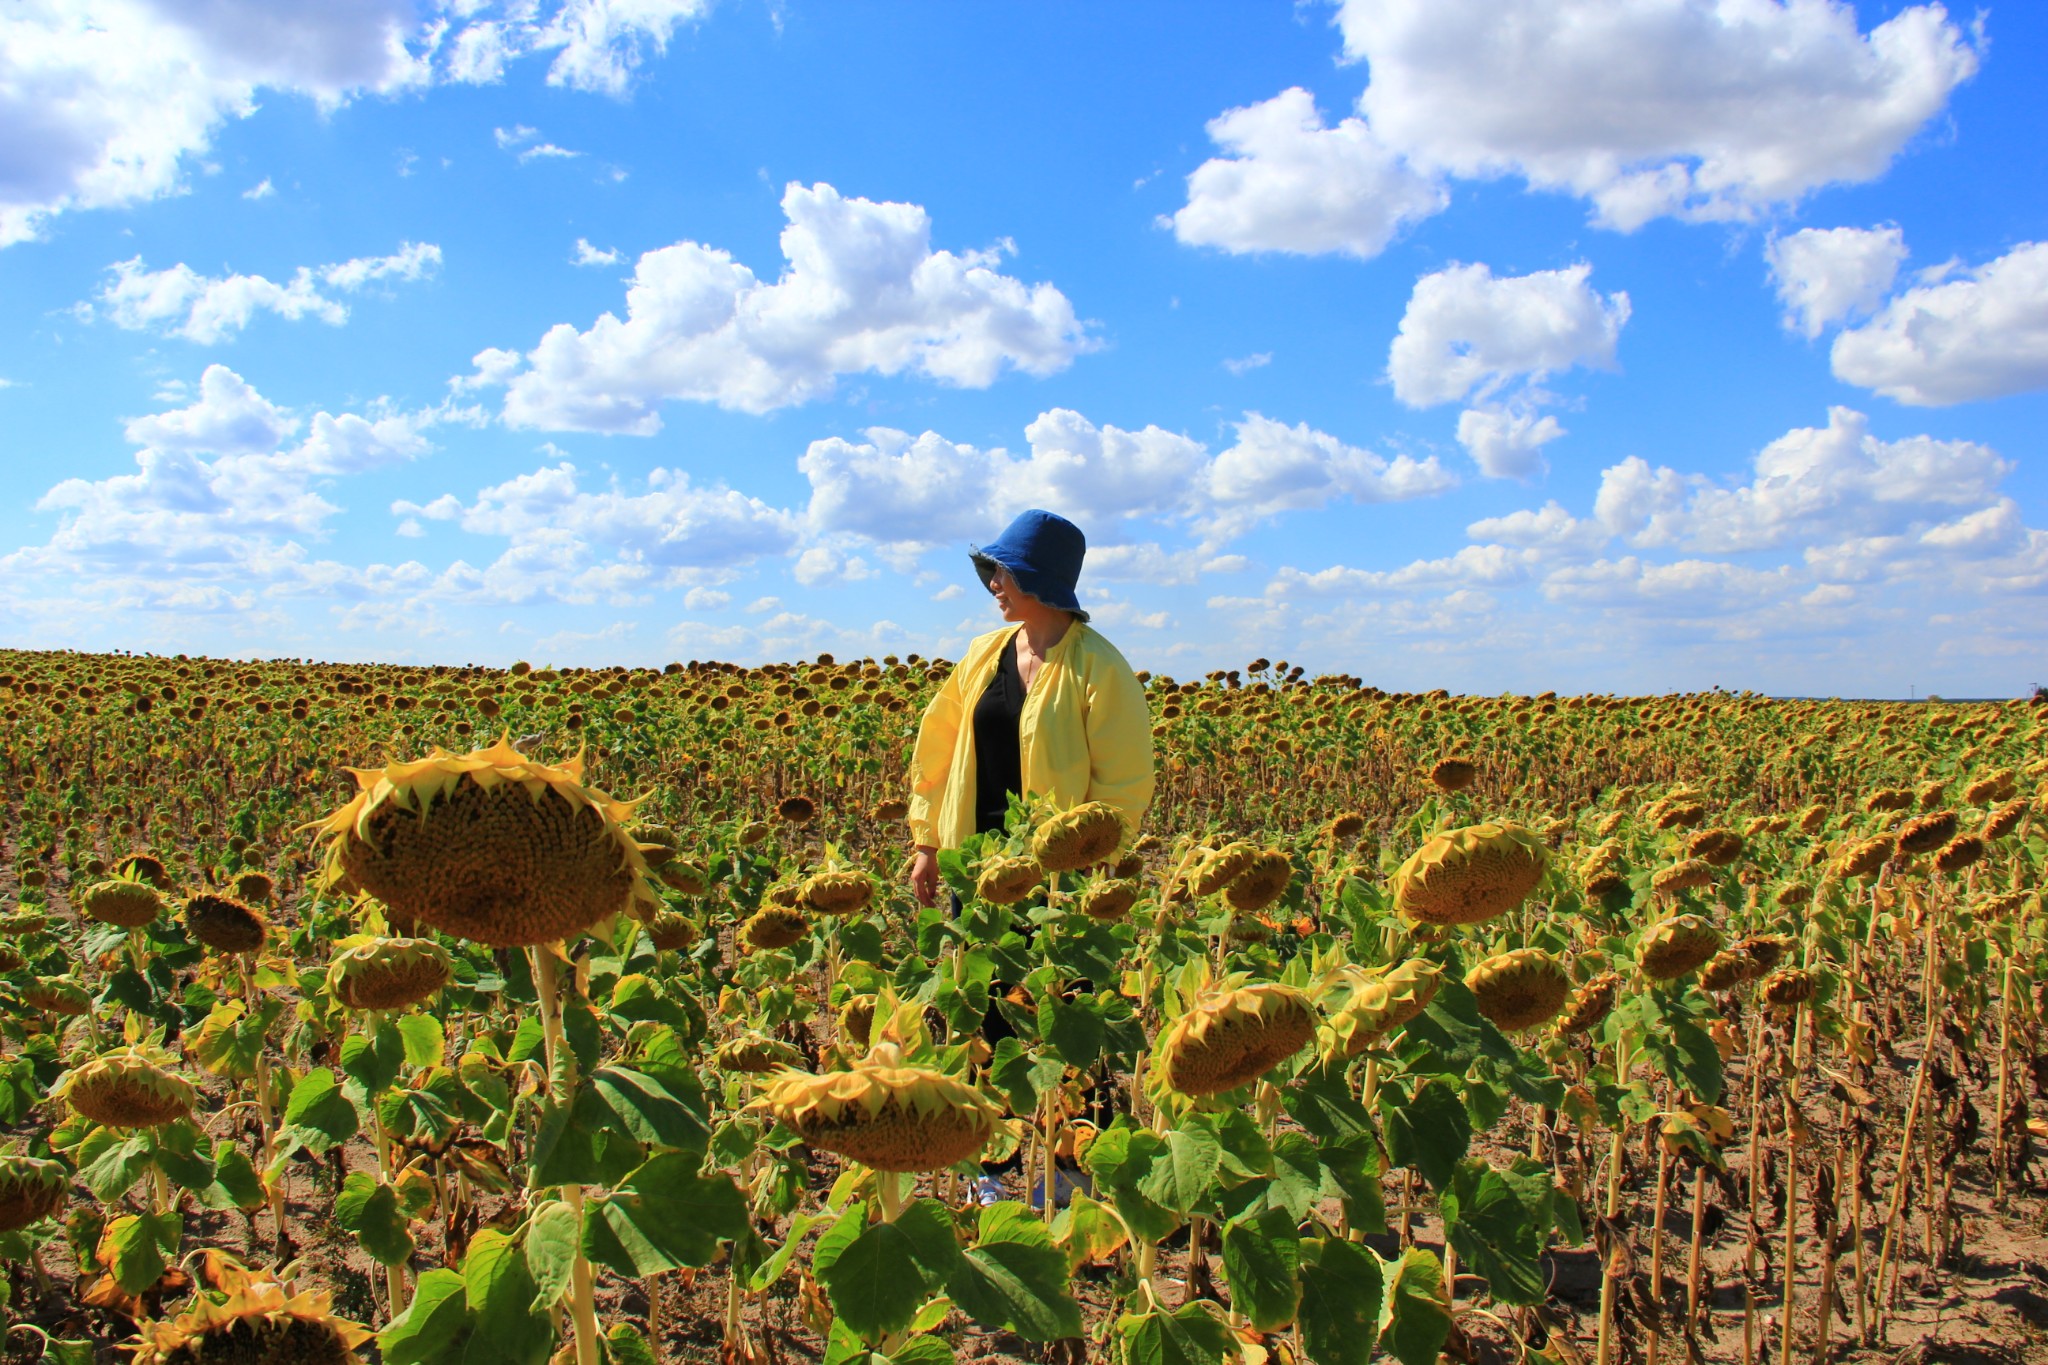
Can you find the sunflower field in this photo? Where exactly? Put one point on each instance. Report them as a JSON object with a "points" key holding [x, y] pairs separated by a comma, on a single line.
{"points": [[449, 1015]]}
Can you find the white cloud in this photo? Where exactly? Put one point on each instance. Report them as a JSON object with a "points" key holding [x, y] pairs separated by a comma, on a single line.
{"points": [[895, 490], [220, 486], [103, 103], [1466, 331], [706, 599], [586, 254], [1246, 364], [1826, 275], [208, 309], [547, 151], [1697, 109], [262, 189], [1506, 441], [864, 293], [1288, 183], [824, 564], [1982, 334]]}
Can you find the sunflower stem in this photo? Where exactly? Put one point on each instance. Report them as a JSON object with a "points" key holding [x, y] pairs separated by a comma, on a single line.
{"points": [[547, 983]]}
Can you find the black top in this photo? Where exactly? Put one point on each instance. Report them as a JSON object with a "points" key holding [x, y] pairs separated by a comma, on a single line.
{"points": [[998, 759]]}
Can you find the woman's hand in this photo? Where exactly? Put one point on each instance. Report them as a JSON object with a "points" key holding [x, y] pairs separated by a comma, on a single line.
{"points": [[924, 875]]}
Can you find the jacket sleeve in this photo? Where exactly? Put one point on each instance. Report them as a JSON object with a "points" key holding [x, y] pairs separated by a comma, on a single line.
{"points": [[931, 762], [1119, 739]]}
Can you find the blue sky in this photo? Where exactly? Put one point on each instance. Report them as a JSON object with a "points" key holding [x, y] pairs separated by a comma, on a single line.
{"points": [[1575, 344]]}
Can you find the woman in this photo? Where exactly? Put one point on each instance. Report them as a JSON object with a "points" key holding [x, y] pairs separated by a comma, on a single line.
{"points": [[1042, 706]]}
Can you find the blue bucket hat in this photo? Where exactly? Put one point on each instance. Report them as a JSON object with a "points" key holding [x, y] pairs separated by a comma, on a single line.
{"points": [[1043, 552]]}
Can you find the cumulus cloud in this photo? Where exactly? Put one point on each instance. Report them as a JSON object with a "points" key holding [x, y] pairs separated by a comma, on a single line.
{"points": [[1289, 183], [208, 309], [1467, 331], [586, 254], [895, 489], [1978, 333], [1826, 275], [1506, 441], [863, 293], [220, 484], [1701, 110], [104, 102]]}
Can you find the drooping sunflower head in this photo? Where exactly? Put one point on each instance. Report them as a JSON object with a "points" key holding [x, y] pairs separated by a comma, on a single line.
{"points": [[755, 1054], [1220, 867], [845, 892], [1081, 837], [1687, 874], [1671, 948], [489, 846], [1111, 899], [1005, 881], [774, 926], [389, 973], [1591, 1003], [126, 902], [1230, 1037], [1376, 1005], [59, 995], [252, 1319], [1263, 881], [225, 924], [30, 1190], [1469, 875], [671, 931], [130, 1087], [885, 1115], [1520, 989]]}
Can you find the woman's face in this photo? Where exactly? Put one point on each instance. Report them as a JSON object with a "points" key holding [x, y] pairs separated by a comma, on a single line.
{"points": [[1011, 600]]}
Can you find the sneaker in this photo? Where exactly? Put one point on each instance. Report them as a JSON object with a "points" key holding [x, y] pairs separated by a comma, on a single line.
{"points": [[988, 1190]]}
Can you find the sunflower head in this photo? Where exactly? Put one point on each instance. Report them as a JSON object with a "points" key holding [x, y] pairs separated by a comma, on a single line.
{"points": [[490, 846], [1671, 948], [1081, 837], [844, 892], [1220, 867], [1005, 881], [1230, 1037], [30, 1190], [1469, 875], [1263, 881], [126, 902], [130, 1087], [389, 973], [774, 926], [1111, 899], [1376, 1005], [225, 924], [1591, 1004], [885, 1115], [1520, 989], [251, 1318]]}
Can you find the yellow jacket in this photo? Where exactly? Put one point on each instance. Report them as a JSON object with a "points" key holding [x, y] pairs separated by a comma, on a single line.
{"points": [[1085, 734]]}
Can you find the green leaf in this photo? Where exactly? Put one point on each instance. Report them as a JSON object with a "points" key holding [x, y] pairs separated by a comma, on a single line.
{"points": [[110, 1165], [648, 1112], [553, 1236], [318, 1116], [1430, 1131], [1498, 1221], [1183, 1175], [923, 1351], [1246, 1153], [1341, 1292], [1022, 1075], [227, 1044], [877, 1283], [1190, 1335], [432, 1326], [373, 1061], [1415, 1317], [1073, 1028], [136, 1250], [626, 1345], [500, 1292], [425, 1045], [664, 1216], [1325, 1106], [1119, 1159], [1262, 1257], [1679, 1046], [369, 1208], [235, 1177], [1015, 1277], [772, 1269], [1297, 1175]]}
